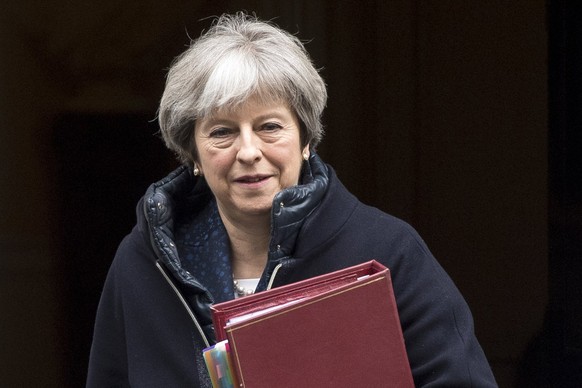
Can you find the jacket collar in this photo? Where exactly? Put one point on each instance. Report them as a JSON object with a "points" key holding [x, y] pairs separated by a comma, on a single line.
{"points": [[163, 201], [293, 205], [319, 227], [180, 192]]}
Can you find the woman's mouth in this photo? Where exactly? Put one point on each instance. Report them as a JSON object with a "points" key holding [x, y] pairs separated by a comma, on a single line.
{"points": [[252, 179]]}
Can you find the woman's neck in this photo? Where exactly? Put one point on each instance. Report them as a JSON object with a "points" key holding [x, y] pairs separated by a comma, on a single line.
{"points": [[249, 244]]}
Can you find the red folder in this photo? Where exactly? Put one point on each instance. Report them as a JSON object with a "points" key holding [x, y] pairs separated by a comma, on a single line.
{"points": [[336, 330]]}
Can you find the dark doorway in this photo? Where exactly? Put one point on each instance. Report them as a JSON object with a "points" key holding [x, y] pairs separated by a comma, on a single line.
{"points": [[554, 359], [104, 165], [565, 191]]}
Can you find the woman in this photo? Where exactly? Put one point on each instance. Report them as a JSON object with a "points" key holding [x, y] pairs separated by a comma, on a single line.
{"points": [[254, 207]]}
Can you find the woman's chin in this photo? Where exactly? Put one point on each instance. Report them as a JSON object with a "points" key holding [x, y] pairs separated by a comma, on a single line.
{"points": [[254, 209]]}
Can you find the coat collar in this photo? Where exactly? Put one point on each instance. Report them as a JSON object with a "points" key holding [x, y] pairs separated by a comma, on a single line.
{"points": [[180, 192]]}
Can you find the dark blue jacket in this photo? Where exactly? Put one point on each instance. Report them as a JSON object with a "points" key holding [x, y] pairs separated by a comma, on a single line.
{"points": [[153, 319]]}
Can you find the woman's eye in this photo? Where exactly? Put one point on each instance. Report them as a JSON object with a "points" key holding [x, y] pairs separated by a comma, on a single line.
{"points": [[220, 132], [270, 127]]}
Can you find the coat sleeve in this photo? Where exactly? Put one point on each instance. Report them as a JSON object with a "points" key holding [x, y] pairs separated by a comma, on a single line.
{"points": [[437, 324], [108, 358]]}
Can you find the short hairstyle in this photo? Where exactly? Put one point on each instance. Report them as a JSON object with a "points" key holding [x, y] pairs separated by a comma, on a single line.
{"points": [[237, 58]]}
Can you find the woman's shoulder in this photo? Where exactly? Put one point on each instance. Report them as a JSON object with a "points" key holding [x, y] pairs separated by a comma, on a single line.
{"points": [[133, 251]]}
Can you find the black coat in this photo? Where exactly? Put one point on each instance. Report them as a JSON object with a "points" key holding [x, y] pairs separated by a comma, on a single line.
{"points": [[150, 332]]}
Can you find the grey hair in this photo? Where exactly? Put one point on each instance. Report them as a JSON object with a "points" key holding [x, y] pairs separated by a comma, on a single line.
{"points": [[237, 58]]}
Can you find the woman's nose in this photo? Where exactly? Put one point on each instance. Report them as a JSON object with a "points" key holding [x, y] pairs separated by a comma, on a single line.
{"points": [[249, 147]]}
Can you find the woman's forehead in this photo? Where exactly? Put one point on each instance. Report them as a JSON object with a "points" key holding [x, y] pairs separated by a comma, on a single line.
{"points": [[253, 103]]}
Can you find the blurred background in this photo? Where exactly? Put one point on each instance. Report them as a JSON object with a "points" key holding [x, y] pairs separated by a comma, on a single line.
{"points": [[461, 117]]}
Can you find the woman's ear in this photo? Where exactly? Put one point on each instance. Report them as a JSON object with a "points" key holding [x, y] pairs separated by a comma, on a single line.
{"points": [[196, 168], [306, 152]]}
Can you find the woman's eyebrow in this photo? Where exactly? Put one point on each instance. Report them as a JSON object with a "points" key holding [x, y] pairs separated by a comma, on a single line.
{"points": [[275, 113], [210, 121], [217, 119]]}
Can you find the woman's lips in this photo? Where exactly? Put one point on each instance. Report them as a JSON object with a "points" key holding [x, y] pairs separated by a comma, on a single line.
{"points": [[252, 179]]}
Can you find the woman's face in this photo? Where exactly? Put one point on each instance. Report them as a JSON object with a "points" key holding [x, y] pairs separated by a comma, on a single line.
{"points": [[248, 155]]}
